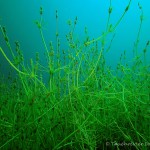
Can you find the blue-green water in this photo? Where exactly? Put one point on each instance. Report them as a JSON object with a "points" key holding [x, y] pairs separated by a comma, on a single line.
{"points": [[18, 17]]}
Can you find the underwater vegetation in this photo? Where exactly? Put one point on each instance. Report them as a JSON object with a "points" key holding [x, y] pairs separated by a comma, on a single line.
{"points": [[84, 104]]}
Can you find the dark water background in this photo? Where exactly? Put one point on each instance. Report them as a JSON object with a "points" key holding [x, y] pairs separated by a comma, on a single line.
{"points": [[18, 17]]}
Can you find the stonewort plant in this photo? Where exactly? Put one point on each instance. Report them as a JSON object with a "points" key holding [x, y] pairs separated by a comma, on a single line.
{"points": [[85, 103]]}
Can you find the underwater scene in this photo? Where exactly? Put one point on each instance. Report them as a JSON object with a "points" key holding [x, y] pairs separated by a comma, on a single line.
{"points": [[74, 75]]}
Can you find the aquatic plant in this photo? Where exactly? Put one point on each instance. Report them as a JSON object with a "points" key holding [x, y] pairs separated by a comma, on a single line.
{"points": [[85, 105]]}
